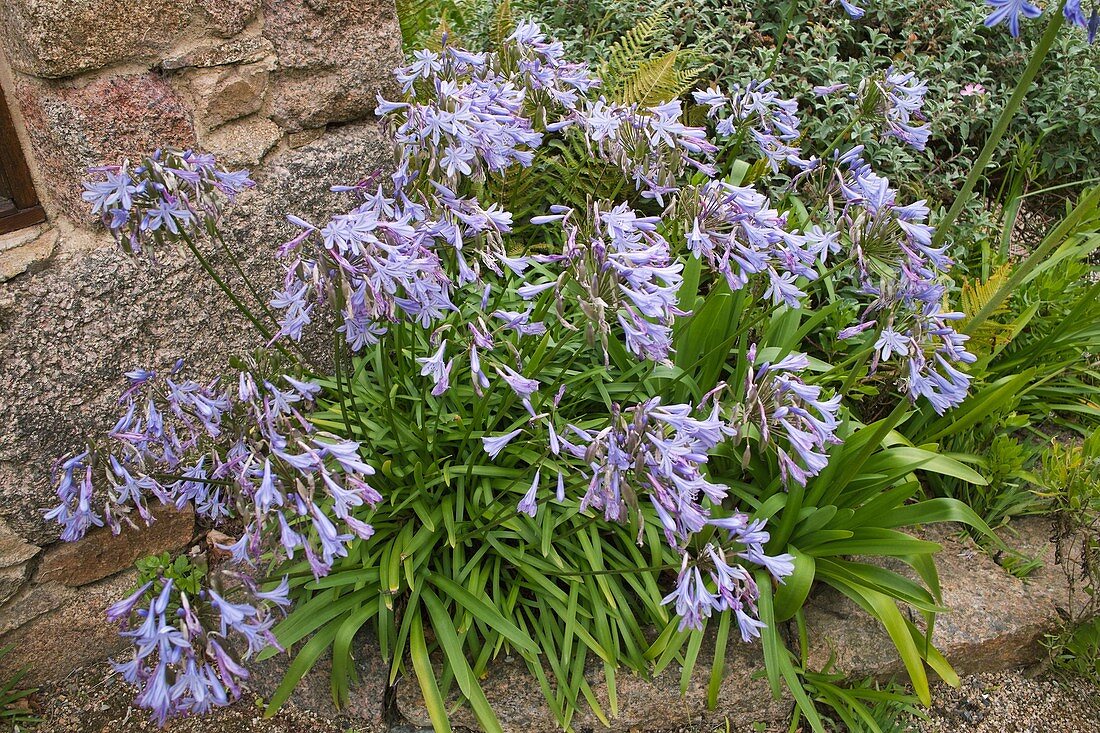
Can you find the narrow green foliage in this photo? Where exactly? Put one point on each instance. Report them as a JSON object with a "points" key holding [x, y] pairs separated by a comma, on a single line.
{"points": [[13, 695]]}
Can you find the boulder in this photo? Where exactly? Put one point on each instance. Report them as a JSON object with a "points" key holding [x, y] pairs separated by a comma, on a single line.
{"points": [[73, 127], [243, 143], [228, 17], [100, 553], [12, 579], [29, 250], [334, 57], [14, 550], [34, 601], [15, 556], [994, 620], [1058, 578], [60, 38]]}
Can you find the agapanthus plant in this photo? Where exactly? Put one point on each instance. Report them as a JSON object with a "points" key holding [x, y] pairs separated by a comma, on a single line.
{"points": [[568, 426]]}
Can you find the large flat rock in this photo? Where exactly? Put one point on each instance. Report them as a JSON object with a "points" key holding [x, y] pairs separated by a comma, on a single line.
{"points": [[994, 621], [100, 553]]}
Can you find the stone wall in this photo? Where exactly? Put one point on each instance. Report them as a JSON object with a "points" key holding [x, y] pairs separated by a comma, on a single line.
{"points": [[283, 87]]}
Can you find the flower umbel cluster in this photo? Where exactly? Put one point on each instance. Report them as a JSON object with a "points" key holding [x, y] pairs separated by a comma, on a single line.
{"points": [[620, 272], [658, 452], [182, 659], [244, 449], [169, 195], [736, 232], [653, 146], [901, 269], [779, 409], [761, 114]]}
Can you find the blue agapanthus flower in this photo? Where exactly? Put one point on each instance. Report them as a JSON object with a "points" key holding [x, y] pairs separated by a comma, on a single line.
{"points": [[1010, 11]]}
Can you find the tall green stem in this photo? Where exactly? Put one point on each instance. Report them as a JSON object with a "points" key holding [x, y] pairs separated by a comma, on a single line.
{"points": [[781, 39], [226, 289], [998, 131]]}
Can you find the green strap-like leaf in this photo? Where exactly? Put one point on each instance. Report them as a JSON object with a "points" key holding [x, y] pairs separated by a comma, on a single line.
{"points": [[485, 613], [455, 655], [422, 666]]}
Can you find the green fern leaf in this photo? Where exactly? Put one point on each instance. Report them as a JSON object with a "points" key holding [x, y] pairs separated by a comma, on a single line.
{"points": [[635, 48], [503, 23], [661, 79], [415, 20], [991, 334]]}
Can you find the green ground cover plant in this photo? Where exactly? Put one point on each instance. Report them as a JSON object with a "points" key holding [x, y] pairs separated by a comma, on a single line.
{"points": [[608, 339]]}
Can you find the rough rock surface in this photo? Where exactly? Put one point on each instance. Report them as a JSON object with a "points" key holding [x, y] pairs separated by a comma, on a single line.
{"points": [[101, 554], [58, 38], [73, 634], [223, 94], [994, 620], [246, 50], [15, 557], [242, 143], [1034, 537], [228, 17], [68, 333], [333, 60], [31, 253], [12, 578], [71, 128], [644, 705], [34, 601], [14, 550]]}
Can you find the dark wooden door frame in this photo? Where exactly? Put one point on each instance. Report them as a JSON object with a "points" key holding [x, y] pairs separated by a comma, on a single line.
{"points": [[16, 178]]}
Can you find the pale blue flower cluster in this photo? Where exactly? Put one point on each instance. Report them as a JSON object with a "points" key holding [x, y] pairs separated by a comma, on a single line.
{"points": [[779, 409], [244, 450], [760, 113], [658, 452], [168, 195], [652, 146], [737, 233], [180, 660], [903, 271], [621, 272]]}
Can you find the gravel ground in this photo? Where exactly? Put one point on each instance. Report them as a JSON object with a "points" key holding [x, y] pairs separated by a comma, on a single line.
{"points": [[94, 700], [1012, 702]]}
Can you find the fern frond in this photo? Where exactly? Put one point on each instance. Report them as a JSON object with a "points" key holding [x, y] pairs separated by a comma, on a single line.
{"points": [[637, 71], [992, 334], [503, 23], [634, 48], [415, 18], [661, 79]]}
